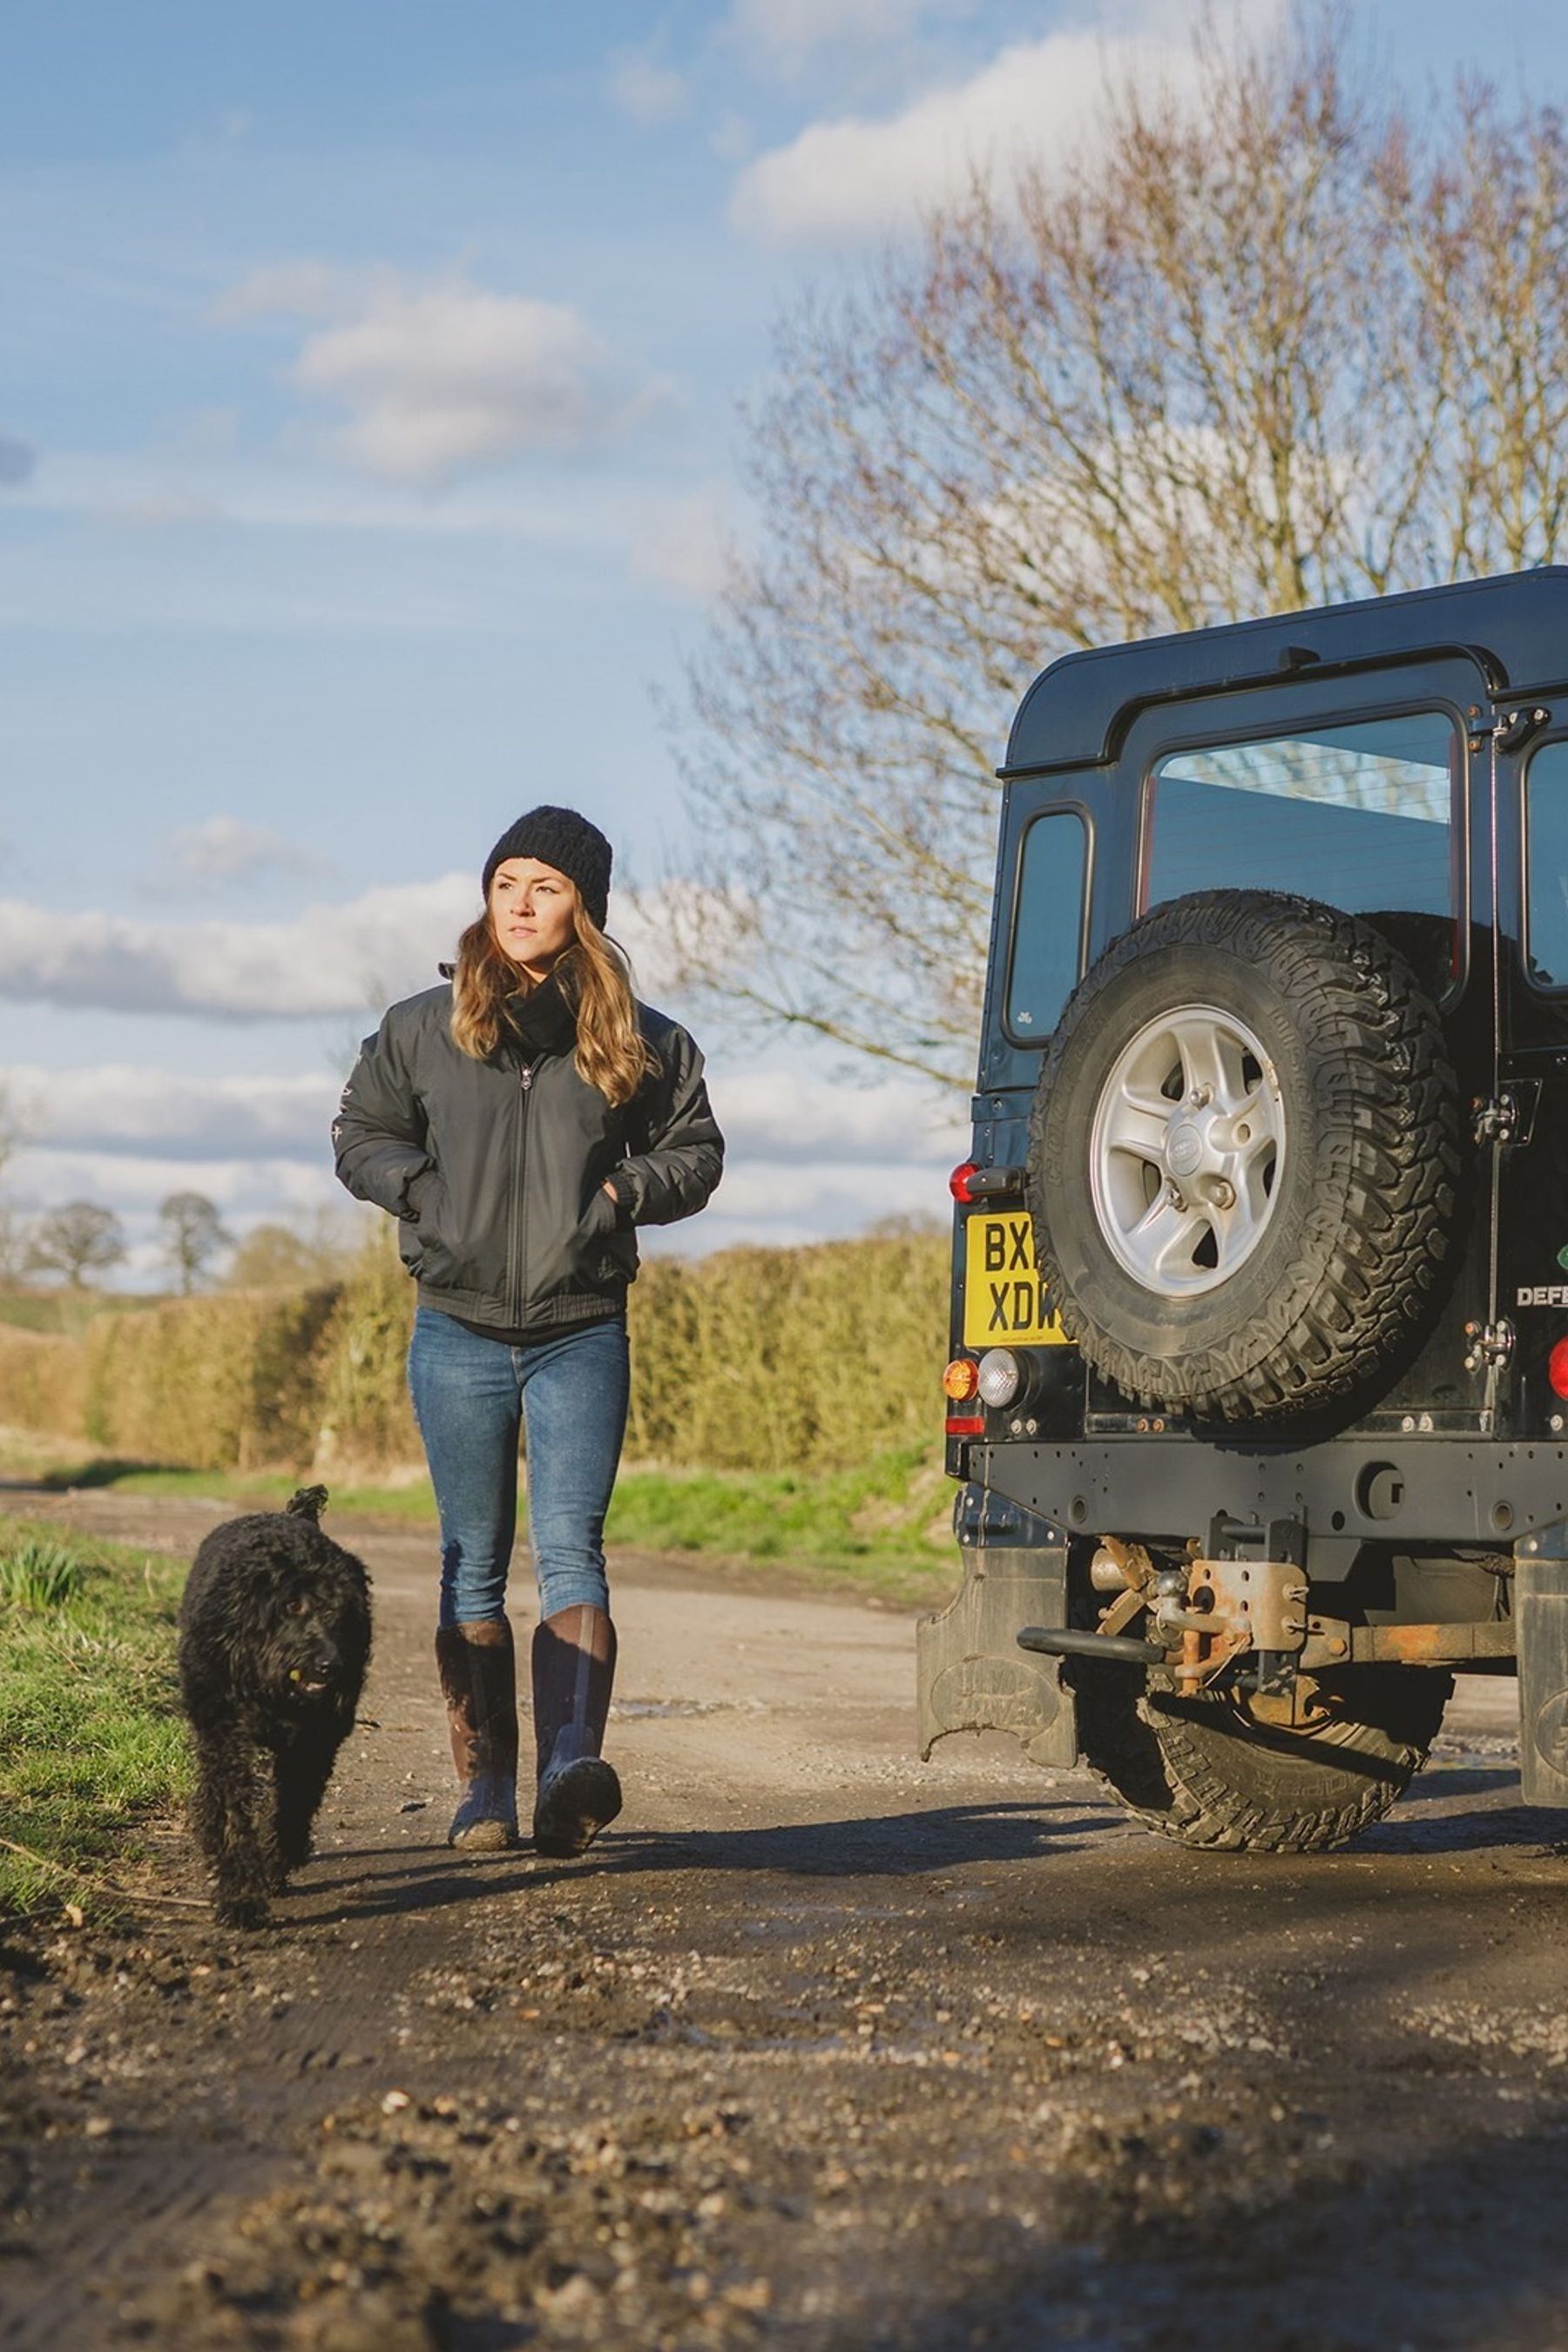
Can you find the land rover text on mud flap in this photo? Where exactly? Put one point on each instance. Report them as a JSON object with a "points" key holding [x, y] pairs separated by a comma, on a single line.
{"points": [[1258, 1397]]}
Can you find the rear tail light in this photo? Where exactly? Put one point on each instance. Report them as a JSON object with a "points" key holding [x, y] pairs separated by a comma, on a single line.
{"points": [[960, 1378], [966, 1425], [1557, 1368], [958, 1183]]}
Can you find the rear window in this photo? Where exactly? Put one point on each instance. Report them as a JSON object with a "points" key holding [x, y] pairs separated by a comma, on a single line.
{"points": [[1048, 931], [1359, 815], [1546, 842]]}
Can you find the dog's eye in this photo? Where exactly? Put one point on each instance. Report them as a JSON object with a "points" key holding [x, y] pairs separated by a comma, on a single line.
{"points": [[298, 1605]]}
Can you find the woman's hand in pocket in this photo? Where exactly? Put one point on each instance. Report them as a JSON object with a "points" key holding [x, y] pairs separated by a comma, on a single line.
{"points": [[423, 1197]]}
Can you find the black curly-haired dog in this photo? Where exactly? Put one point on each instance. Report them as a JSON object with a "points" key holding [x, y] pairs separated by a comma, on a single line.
{"points": [[274, 1641]]}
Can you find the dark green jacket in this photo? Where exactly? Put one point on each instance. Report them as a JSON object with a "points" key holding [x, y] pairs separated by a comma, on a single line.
{"points": [[497, 1168]]}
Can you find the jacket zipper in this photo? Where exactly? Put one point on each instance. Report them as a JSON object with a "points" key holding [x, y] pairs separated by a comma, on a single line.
{"points": [[519, 1221]]}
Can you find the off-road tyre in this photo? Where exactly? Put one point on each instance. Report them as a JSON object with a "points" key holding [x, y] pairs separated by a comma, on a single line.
{"points": [[1196, 1771], [1359, 1247]]}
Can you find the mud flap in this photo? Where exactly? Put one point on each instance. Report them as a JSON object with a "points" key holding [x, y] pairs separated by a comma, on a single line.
{"points": [[1541, 1610], [971, 1675]]}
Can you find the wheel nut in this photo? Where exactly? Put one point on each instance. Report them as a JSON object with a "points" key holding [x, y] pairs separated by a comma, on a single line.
{"points": [[1223, 1194]]}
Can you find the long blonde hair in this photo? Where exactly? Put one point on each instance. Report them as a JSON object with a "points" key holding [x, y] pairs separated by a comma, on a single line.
{"points": [[612, 1052]]}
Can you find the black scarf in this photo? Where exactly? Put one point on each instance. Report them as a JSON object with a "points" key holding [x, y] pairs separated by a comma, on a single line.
{"points": [[544, 1021]]}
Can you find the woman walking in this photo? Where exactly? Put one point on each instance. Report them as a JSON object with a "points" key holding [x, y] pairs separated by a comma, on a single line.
{"points": [[522, 1122]]}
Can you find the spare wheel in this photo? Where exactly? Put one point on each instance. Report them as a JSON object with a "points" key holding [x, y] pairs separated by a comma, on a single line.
{"points": [[1244, 1156]]}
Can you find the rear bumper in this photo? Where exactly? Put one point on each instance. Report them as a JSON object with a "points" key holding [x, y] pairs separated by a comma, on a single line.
{"points": [[1426, 1492]]}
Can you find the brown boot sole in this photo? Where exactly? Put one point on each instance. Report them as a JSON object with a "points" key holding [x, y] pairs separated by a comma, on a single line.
{"points": [[482, 1837], [574, 1806]]}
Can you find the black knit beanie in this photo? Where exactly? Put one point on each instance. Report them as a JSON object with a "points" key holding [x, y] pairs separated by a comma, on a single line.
{"points": [[560, 837]]}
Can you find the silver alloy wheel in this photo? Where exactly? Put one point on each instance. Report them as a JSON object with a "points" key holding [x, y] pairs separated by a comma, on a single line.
{"points": [[1186, 1150]]}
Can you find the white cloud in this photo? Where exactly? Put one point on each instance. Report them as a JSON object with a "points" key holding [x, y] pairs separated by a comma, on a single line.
{"points": [[786, 1204], [860, 176], [329, 959], [117, 1109], [646, 91], [350, 958], [442, 378], [438, 376], [799, 1114], [225, 849]]}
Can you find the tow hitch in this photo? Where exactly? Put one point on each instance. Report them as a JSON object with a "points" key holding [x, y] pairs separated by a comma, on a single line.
{"points": [[1245, 1598]]}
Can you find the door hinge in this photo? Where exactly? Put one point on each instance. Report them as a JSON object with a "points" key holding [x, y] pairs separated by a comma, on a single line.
{"points": [[1503, 1118], [1491, 1343], [1515, 729], [1510, 731]]}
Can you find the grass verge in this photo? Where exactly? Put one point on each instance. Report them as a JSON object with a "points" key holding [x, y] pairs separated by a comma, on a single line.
{"points": [[90, 1741], [880, 1526]]}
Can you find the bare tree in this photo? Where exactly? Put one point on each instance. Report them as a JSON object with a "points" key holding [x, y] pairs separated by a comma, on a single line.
{"points": [[77, 1240], [15, 1245], [193, 1234], [1263, 344]]}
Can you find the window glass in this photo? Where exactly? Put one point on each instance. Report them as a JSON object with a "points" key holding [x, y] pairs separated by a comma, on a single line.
{"points": [[1546, 834], [1360, 816], [1049, 931]]}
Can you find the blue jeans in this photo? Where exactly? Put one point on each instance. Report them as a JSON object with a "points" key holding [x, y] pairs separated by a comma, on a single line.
{"points": [[470, 1396]]}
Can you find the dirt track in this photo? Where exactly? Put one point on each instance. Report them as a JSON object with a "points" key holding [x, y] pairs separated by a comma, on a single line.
{"points": [[820, 2047]]}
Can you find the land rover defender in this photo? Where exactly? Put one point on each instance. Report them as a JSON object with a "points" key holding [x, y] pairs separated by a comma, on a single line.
{"points": [[1258, 1390]]}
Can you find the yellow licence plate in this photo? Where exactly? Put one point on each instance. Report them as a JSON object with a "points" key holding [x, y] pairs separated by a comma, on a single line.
{"points": [[1003, 1297]]}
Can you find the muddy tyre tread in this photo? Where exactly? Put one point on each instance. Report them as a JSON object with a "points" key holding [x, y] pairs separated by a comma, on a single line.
{"points": [[1390, 1134], [1127, 1744]]}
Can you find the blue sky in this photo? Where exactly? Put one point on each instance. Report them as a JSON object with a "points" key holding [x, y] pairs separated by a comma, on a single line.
{"points": [[369, 386]]}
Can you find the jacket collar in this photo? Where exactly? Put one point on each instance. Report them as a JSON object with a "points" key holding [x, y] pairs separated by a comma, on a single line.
{"points": [[544, 1021]]}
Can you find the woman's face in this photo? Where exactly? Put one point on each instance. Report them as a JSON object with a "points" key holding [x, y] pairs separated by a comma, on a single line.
{"points": [[533, 914]]}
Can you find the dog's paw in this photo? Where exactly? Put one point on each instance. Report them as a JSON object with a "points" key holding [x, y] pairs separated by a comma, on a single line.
{"points": [[249, 1911]]}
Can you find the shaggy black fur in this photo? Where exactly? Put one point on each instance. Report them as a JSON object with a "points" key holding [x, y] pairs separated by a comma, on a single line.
{"points": [[274, 1640]]}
